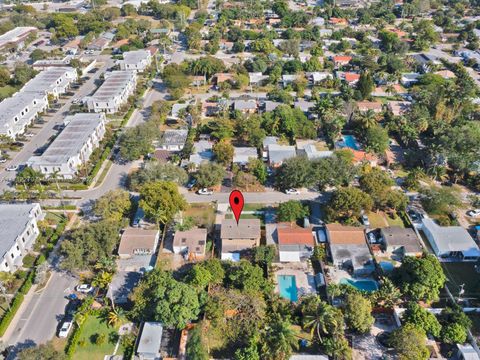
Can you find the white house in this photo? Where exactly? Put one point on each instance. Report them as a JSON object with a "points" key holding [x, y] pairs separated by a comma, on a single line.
{"points": [[52, 81], [149, 342], [173, 140], [452, 242], [242, 155], [114, 92], [137, 60], [18, 224], [72, 148]]}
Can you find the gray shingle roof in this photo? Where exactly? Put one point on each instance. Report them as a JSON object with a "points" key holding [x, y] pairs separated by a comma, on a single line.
{"points": [[13, 219]]}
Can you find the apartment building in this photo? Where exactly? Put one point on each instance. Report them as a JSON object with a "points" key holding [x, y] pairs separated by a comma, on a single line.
{"points": [[16, 37], [18, 225], [114, 92], [72, 148], [137, 60], [19, 111]]}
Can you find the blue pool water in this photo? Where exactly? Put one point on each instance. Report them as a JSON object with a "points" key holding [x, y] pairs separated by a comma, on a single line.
{"points": [[288, 287], [364, 285], [350, 142], [386, 266]]}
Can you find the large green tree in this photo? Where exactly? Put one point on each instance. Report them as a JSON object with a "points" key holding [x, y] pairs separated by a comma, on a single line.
{"points": [[159, 297], [409, 342], [291, 211], [156, 171], [348, 202], [358, 313], [420, 278], [41, 352], [114, 205], [421, 318], [161, 201], [209, 174]]}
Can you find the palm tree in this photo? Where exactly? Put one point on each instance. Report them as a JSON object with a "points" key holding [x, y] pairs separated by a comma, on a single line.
{"points": [[106, 264], [279, 339], [366, 119], [389, 295], [114, 316], [325, 321], [102, 279], [79, 318]]}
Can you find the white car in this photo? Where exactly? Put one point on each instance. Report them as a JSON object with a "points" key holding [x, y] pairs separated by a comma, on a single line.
{"points": [[84, 288], [3, 160], [29, 134], [65, 329], [292, 192], [204, 191], [474, 213], [365, 220], [12, 168]]}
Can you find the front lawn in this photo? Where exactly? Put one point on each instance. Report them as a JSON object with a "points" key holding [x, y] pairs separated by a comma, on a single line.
{"points": [[377, 220], [87, 348], [202, 213]]}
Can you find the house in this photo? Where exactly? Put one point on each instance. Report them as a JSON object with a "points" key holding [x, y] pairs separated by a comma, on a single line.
{"points": [[446, 74], [202, 152], [312, 153], [349, 249], [245, 106], [304, 105], [15, 38], [360, 156], [137, 241], [295, 243], [364, 106], [190, 243], [242, 155], [425, 61], [350, 78], [226, 45], [277, 154], [257, 78], [210, 108], [173, 140], [316, 77], [317, 21], [176, 110], [236, 238], [466, 352], [72, 148], [401, 241], [150, 341], [338, 21], [99, 44], [114, 92], [19, 232], [409, 79], [384, 91], [341, 60], [137, 60], [270, 105], [325, 33], [453, 242], [219, 78], [288, 79], [71, 47], [199, 80], [399, 108]]}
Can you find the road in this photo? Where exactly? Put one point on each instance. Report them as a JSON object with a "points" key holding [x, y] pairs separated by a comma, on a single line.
{"points": [[268, 197], [45, 131], [43, 313]]}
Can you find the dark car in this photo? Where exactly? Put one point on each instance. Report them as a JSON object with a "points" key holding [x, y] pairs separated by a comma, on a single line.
{"points": [[93, 71], [17, 143]]}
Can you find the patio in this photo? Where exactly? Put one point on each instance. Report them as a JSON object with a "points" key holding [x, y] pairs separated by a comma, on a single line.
{"points": [[304, 276]]}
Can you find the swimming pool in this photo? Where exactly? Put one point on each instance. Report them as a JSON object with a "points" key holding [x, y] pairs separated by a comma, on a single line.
{"points": [[288, 287], [350, 142], [386, 266], [364, 285]]}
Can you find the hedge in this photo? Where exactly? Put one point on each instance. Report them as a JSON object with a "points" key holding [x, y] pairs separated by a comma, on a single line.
{"points": [[8, 316], [99, 164], [77, 330]]}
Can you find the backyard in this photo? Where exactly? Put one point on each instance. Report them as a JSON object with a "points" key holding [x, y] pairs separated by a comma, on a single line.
{"points": [[203, 214], [459, 273], [90, 347], [381, 220]]}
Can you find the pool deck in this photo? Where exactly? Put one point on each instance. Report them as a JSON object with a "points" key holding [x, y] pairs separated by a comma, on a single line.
{"points": [[304, 276]]}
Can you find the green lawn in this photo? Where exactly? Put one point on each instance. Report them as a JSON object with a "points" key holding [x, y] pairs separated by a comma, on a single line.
{"points": [[248, 216], [395, 222], [202, 213], [376, 220], [90, 351], [462, 273]]}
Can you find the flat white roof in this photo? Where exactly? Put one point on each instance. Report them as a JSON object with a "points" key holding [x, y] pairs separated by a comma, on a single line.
{"points": [[113, 85], [15, 35]]}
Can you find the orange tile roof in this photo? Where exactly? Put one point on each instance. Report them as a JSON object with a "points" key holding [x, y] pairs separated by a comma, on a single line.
{"points": [[342, 58], [351, 77], [335, 20], [369, 105], [359, 156], [294, 235], [340, 234]]}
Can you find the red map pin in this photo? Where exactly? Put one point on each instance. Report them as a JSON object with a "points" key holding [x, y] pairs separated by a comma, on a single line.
{"points": [[236, 203]]}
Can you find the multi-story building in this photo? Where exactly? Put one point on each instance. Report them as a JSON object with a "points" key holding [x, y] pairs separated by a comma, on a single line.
{"points": [[137, 60], [18, 111], [113, 93], [72, 148], [16, 37], [18, 225]]}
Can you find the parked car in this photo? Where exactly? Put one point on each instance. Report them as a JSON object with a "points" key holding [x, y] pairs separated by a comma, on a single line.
{"points": [[191, 184], [29, 135], [414, 216], [65, 329], [365, 220], [12, 168], [204, 191], [474, 213], [292, 192], [84, 288], [17, 143], [3, 160], [372, 238]]}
